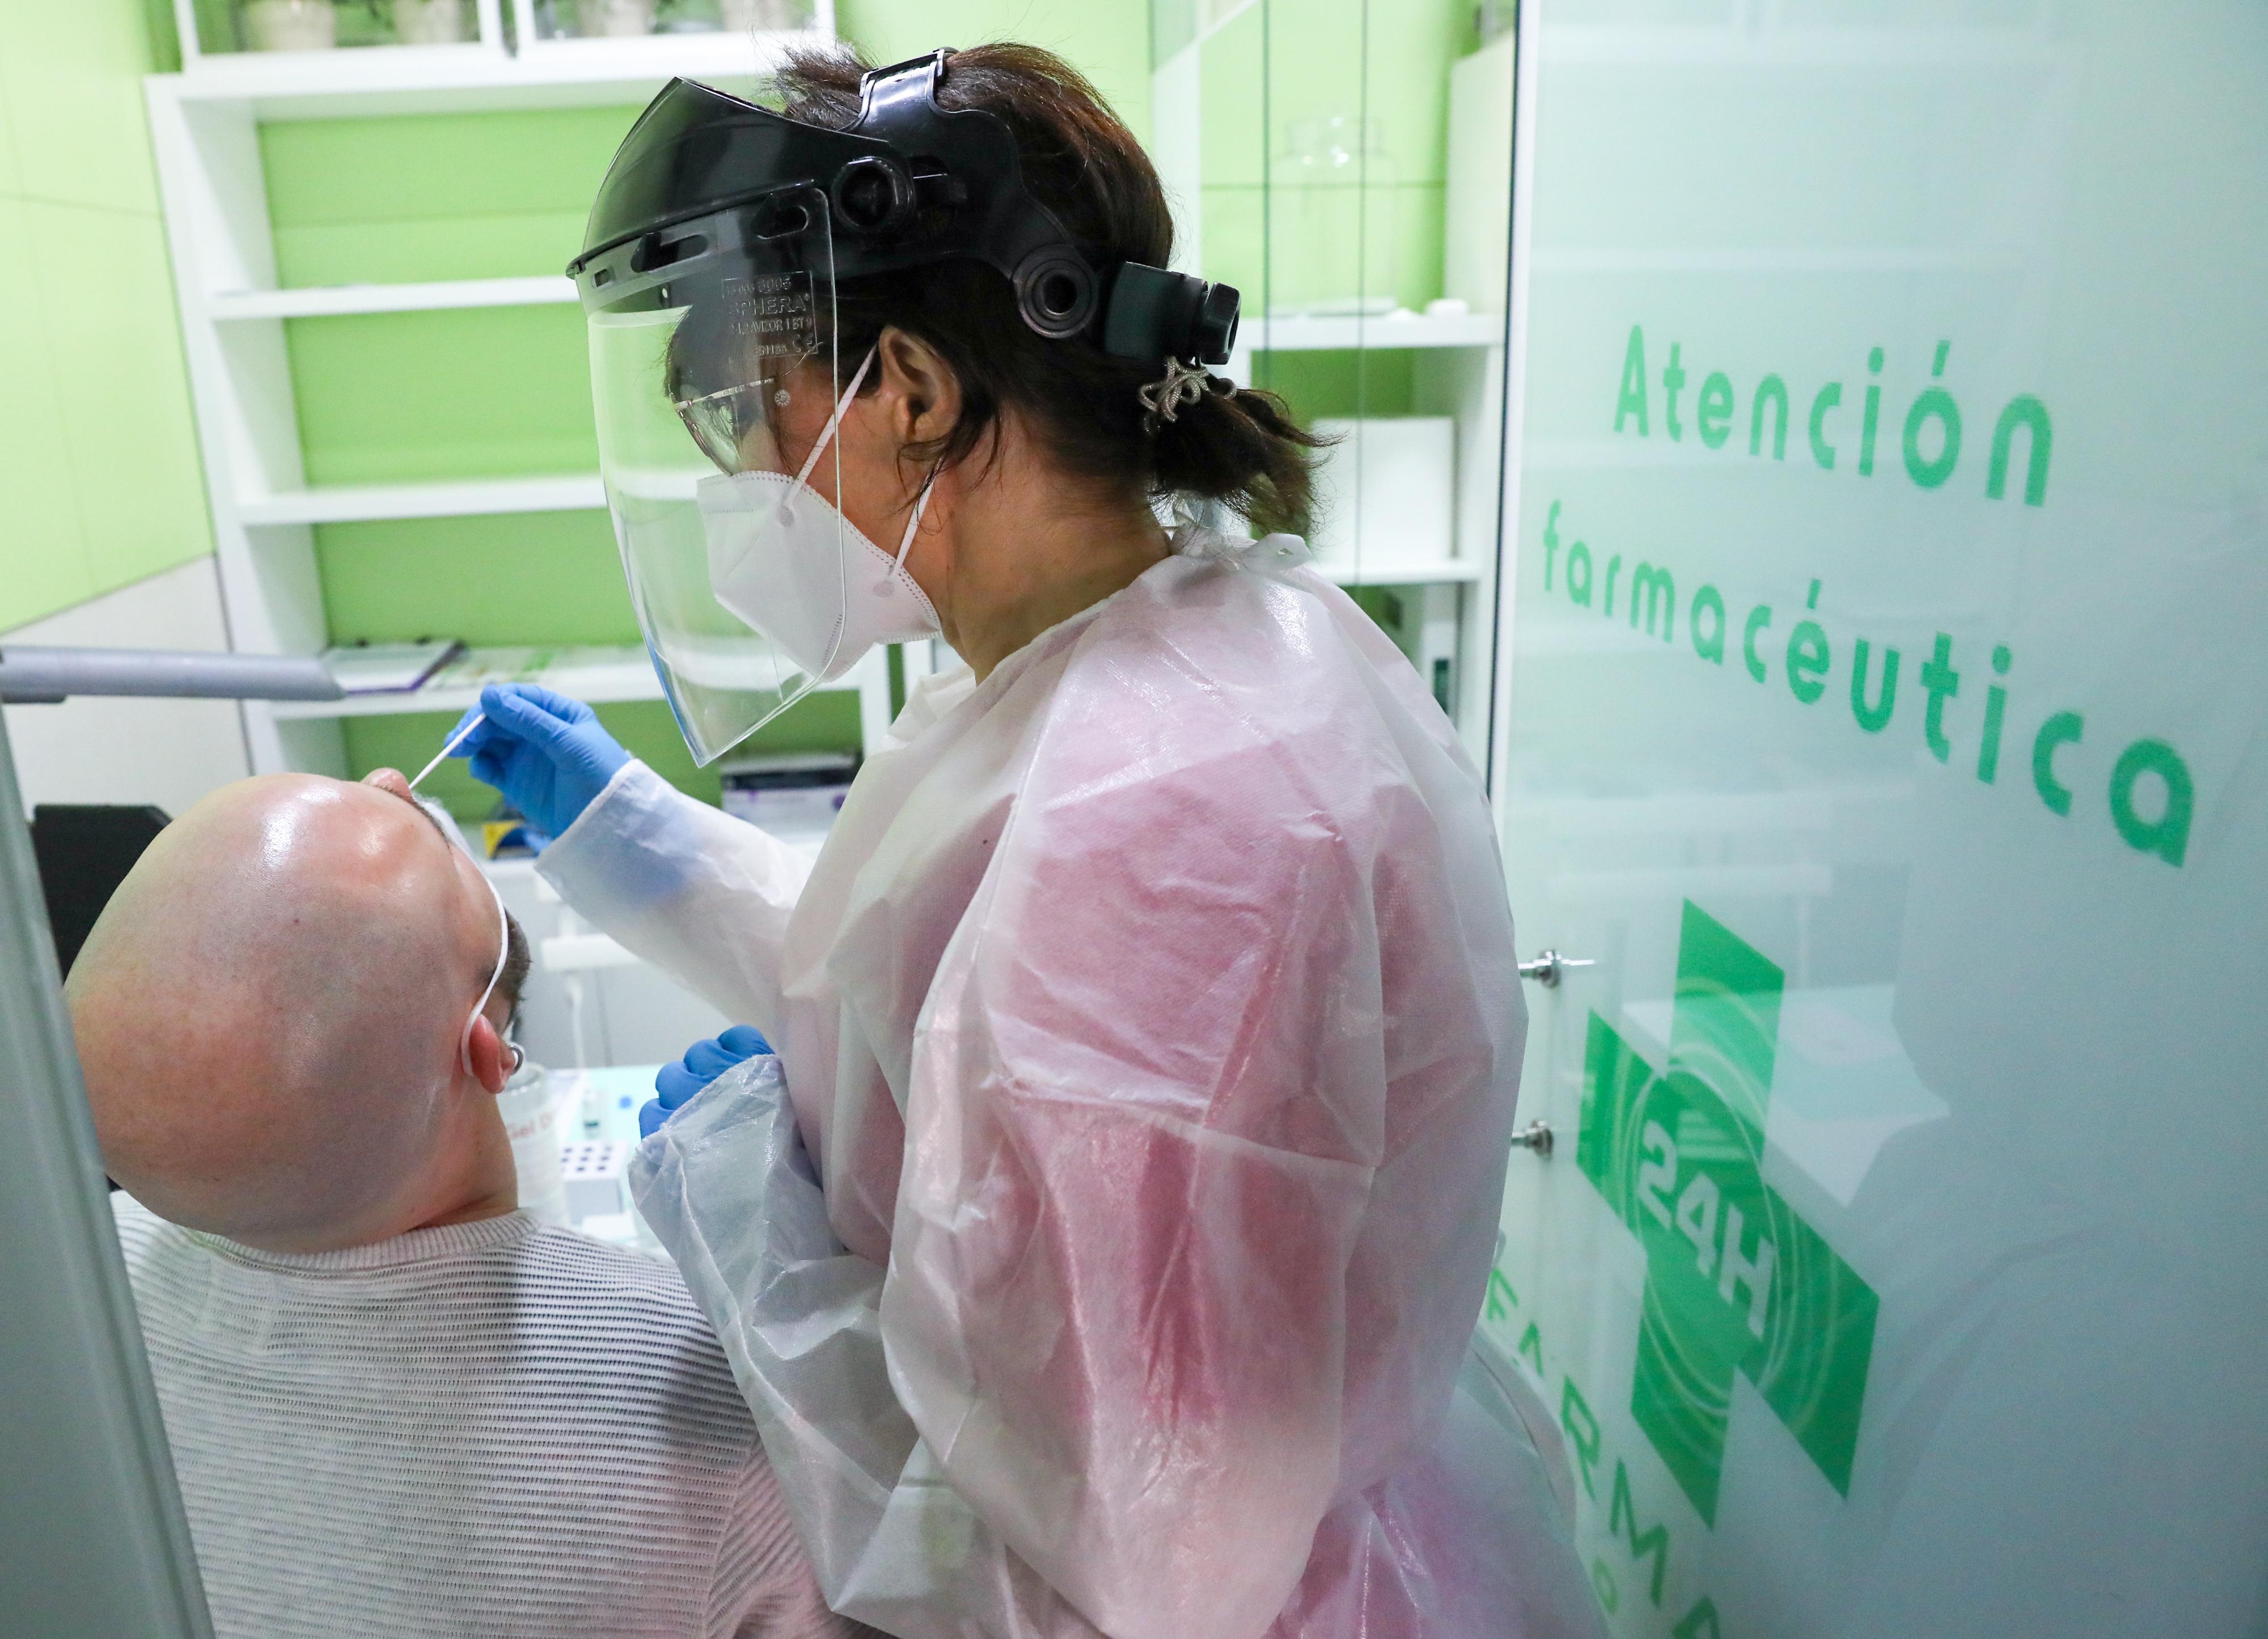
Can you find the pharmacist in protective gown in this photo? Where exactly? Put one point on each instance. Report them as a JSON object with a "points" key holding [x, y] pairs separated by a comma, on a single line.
{"points": [[1101, 1251]]}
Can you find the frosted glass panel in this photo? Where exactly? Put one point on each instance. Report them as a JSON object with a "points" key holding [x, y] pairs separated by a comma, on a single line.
{"points": [[1885, 595]]}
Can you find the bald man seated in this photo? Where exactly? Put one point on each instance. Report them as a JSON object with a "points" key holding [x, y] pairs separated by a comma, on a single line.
{"points": [[396, 1405]]}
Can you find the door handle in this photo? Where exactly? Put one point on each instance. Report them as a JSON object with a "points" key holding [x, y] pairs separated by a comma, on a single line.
{"points": [[1548, 967]]}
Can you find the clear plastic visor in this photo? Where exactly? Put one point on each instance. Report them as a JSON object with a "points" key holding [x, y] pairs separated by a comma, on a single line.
{"points": [[710, 392]]}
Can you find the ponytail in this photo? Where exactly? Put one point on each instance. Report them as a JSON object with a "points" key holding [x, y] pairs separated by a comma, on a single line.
{"points": [[1240, 447]]}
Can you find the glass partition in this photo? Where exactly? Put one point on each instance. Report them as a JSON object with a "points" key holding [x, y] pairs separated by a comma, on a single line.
{"points": [[1347, 166], [1884, 722]]}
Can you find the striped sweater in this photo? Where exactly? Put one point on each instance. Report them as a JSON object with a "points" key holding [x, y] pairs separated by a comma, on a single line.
{"points": [[492, 1429]]}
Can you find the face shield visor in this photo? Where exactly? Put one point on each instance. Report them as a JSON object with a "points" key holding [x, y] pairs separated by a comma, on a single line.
{"points": [[709, 279], [715, 382]]}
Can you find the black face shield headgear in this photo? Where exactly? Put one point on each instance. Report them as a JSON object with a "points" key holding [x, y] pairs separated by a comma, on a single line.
{"points": [[702, 172]]}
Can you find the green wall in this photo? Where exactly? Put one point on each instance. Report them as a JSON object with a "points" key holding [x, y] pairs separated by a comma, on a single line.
{"points": [[99, 471]]}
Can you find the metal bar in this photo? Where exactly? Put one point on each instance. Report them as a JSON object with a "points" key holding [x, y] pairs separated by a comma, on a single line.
{"points": [[30, 675], [96, 1541]]}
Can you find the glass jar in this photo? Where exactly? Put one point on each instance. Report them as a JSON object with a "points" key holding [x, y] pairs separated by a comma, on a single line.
{"points": [[431, 22], [614, 19], [290, 25], [1334, 198]]}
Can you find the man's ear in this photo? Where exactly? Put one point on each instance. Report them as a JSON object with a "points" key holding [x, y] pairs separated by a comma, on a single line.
{"points": [[492, 1060], [923, 393]]}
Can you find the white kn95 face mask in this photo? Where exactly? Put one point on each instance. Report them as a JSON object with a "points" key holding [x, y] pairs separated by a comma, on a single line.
{"points": [[788, 562]]}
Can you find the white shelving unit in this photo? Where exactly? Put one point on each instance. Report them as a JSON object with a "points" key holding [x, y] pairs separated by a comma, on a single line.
{"points": [[1458, 372], [200, 56], [333, 301], [204, 123]]}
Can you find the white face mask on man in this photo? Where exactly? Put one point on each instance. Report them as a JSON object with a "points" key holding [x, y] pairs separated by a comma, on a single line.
{"points": [[787, 562]]}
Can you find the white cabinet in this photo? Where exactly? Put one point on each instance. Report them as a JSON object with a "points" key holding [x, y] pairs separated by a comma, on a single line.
{"points": [[204, 125]]}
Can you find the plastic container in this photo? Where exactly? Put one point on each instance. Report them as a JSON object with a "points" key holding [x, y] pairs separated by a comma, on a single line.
{"points": [[531, 1121], [290, 25], [431, 22], [743, 17], [613, 20], [1334, 249]]}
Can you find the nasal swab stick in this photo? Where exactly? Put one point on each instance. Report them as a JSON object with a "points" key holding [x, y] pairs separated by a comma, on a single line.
{"points": [[455, 740]]}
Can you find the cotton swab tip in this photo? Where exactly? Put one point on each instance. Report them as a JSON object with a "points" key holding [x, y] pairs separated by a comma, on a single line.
{"points": [[455, 740]]}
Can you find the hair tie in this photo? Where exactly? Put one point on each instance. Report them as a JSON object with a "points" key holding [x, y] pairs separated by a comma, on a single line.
{"points": [[1162, 400]]}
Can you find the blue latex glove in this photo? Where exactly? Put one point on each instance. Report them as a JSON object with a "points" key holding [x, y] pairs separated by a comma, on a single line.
{"points": [[542, 750], [702, 1063]]}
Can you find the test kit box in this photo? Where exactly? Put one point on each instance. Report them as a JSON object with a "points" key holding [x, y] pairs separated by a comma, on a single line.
{"points": [[789, 794]]}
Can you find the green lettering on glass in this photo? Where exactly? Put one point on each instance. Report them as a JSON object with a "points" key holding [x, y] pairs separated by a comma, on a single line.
{"points": [[1933, 402], [1759, 618], [1807, 656], [1653, 588], [1876, 718], [1712, 413], [1700, 1623], [1550, 542], [2063, 729], [2168, 836], [1772, 390], [1941, 682], [1715, 404], [2028, 413], [1501, 1299], [1631, 399], [1582, 1426], [1996, 707], [1767, 1297], [1871, 418], [1829, 396], [1712, 647], [1614, 564], [1622, 1520]]}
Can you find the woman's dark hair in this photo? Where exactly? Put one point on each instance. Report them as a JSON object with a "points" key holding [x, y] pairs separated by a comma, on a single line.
{"points": [[1233, 446]]}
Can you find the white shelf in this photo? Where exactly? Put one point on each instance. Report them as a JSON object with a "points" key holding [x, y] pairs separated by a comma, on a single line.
{"points": [[573, 492], [598, 676], [593, 674], [324, 301], [204, 127], [471, 497], [359, 81], [1306, 334]]}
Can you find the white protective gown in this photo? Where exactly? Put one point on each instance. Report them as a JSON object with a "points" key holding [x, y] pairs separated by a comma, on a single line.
{"points": [[1152, 1016]]}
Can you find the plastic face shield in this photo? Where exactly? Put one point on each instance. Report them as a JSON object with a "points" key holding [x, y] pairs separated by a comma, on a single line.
{"points": [[713, 352]]}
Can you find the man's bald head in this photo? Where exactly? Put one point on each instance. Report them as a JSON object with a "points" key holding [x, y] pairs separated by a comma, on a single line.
{"points": [[269, 1010]]}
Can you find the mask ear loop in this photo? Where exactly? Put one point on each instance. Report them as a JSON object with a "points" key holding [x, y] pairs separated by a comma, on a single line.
{"points": [[913, 524], [447, 827], [833, 421], [503, 951]]}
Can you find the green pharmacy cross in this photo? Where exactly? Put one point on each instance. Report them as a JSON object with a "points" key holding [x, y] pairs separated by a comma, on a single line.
{"points": [[1734, 1280]]}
